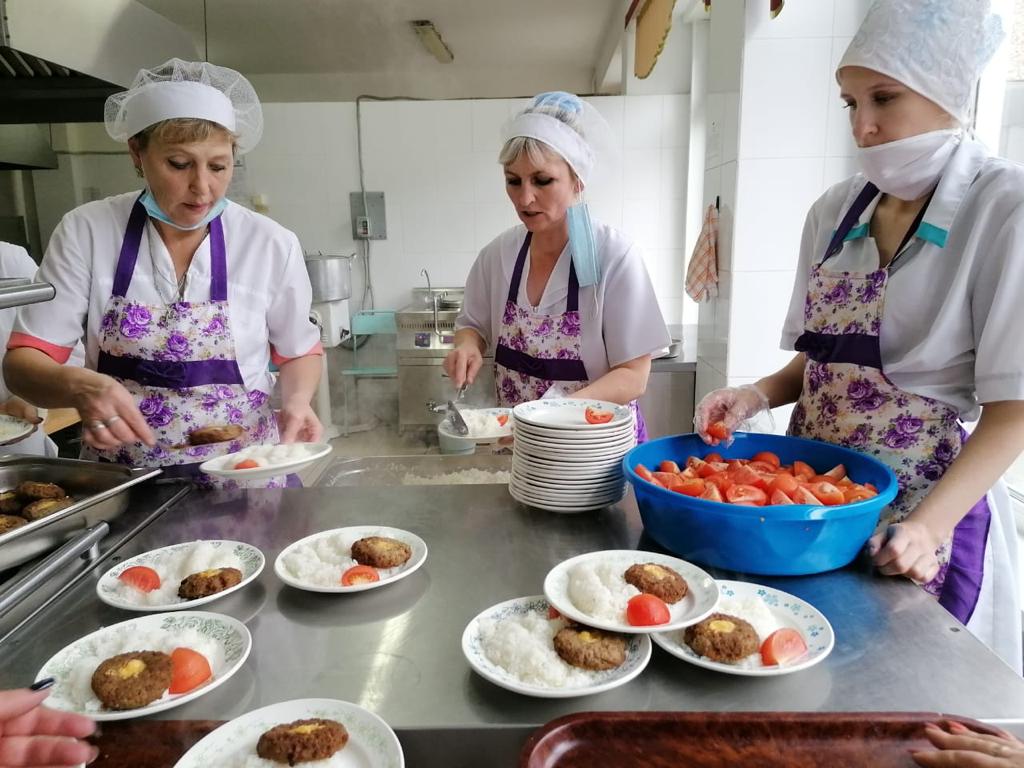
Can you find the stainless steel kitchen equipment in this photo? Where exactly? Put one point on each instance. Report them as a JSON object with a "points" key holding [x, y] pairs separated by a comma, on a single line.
{"points": [[421, 352], [330, 276], [16, 292], [97, 488]]}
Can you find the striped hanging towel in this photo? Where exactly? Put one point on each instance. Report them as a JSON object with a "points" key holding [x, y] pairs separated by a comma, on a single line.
{"points": [[702, 274]]}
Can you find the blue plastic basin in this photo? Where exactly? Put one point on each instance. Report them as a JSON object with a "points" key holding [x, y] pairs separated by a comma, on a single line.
{"points": [[787, 540]]}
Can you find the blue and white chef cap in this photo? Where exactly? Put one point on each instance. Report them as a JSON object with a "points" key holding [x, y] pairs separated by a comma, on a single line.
{"points": [[195, 89], [574, 129], [938, 48]]}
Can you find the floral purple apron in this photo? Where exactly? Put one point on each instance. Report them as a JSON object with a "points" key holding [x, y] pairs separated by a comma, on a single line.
{"points": [[848, 400], [535, 350], [178, 362]]}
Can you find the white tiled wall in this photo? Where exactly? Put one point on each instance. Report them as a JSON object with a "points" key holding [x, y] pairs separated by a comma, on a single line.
{"points": [[789, 140], [437, 163]]}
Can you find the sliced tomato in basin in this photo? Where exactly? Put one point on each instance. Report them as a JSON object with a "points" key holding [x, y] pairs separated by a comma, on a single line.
{"points": [[746, 494]]}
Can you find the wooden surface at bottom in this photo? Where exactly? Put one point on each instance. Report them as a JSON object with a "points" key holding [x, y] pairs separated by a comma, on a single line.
{"points": [[148, 743], [725, 740]]}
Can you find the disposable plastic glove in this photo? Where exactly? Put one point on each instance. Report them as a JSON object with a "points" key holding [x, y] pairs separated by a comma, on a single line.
{"points": [[723, 411]]}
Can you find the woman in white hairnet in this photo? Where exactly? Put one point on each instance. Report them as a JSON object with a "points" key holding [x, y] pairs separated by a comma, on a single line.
{"points": [[182, 297], [906, 317], [564, 302]]}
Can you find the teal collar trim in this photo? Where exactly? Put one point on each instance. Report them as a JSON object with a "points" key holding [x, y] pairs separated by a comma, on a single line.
{"points": [[861, 230], [933, 234]]}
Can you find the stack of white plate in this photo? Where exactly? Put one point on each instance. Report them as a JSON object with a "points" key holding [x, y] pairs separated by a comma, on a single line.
{"points": [[563, 463]]}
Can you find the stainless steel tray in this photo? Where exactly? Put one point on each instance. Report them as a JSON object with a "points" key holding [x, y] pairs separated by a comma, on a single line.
{"points": [[97, 488], [418, 470]]}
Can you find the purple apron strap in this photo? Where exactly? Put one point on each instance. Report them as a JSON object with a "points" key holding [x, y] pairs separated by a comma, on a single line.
{"points": [[863, 200], [517, 273], [130, 254], [218, 262], [129, 249], [966, 567], [572, 299]]}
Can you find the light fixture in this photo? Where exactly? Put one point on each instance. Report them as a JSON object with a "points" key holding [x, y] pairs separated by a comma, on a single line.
{"points": [[431, 39]]}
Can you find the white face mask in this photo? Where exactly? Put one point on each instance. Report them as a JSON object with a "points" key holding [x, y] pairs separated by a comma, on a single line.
{"points": [[909, 168]]}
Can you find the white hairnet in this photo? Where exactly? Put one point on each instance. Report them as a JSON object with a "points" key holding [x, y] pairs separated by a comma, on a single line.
{"points": [[195, 89], [935, 47], [570, 126]]}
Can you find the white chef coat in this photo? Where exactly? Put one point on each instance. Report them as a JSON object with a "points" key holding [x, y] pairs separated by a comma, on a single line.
{"points": [[620, 316], [15, 262], [269, 293], [951, 323]]}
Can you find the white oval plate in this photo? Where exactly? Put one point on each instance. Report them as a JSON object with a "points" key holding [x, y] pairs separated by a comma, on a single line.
{"points": [[590, 501], [573, 479], [108, 588], [638, 653], [575, 446], [387, 575], [569, 435], [495, 433], [568, 413], [13, 429], [701, 595], [371, 743], [230, 635], [597, 488], [788, 610], [560, 507], [220, 466], [558, 456], [581, 465]]}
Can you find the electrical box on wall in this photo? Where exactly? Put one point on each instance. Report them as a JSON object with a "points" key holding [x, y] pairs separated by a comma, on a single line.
{"points": [[369, 222]]}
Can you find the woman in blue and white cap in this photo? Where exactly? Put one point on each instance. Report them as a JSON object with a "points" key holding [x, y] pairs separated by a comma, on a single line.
{"points": [[564, 302], [182, 298], [905, 314]]}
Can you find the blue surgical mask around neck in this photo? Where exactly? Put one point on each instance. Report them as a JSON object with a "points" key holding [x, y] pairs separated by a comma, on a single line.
{"points": [[154, 210], [581, 241]]}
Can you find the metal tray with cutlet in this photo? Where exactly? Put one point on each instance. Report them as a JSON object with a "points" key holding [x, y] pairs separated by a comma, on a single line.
{"points": [[97, 492]]}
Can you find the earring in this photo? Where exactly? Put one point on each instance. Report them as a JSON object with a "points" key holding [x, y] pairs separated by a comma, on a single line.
{"points": [[139, 173]]}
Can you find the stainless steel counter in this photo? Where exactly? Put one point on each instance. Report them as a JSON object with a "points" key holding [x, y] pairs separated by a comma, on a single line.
{"points": [[397, 650]]}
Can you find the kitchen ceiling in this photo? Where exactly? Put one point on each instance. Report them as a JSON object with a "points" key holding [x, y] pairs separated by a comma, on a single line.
{"points": [[501, 47]]}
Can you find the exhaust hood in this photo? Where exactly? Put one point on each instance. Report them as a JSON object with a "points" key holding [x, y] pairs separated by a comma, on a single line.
{"points": [[60, 59]]}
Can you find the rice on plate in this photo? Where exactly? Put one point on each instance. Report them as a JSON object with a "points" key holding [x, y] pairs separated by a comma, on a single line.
{"points": [[318, 561], [173, 564], [592, 589], [511, 644]]}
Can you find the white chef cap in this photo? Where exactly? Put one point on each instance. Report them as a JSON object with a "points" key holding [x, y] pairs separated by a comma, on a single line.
{"points": [[935, 47], [189, 89], [570, 126]]}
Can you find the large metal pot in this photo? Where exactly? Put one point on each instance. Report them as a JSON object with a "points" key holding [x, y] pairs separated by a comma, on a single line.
{"points": [[330, 276]]}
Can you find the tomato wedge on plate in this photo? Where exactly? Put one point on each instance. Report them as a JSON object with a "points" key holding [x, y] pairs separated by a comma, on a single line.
{"points": [[502, 419], [247, 464], [782, 646], [597, 415], [189, 669], [359, 574], [646, 611], [142, 578]]}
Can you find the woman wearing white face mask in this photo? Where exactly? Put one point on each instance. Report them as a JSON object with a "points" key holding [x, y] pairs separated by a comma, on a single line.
{"points": [[905, 313], [182, 298]]}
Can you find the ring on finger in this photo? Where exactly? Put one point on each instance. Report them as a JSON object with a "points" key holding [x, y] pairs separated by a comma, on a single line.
{"points": [[96, 425], [109, 422]]}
